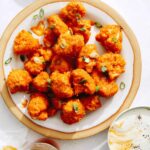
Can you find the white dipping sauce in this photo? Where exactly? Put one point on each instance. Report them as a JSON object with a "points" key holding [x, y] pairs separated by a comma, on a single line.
{"points": [[131, 131]]}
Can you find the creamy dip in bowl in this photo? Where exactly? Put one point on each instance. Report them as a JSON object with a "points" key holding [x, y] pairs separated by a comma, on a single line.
{"points": [[131, 130]]}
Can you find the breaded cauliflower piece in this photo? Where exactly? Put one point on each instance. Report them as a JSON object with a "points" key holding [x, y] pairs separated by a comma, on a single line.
{"points": [[41, 82], [49, 38], [83, 27], [82, 82], [60, 64], [38, 106], [68, 45], [25, 43], [110, 37], [112, 64], [18, 80], [60, 84], [57, 25], [35, 65], [106, 87], [87, 57], [73, 12], [91, 103], [72, 111]]}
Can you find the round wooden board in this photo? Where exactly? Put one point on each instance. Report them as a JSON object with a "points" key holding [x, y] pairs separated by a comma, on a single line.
{"points": [[85, 133]]}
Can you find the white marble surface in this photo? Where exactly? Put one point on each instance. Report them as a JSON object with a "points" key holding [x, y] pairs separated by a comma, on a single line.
{"points": [[136, 13]]}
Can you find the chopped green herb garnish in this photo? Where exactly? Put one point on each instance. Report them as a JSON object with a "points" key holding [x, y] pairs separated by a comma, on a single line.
{"points": [[122, 85], [49, 81], [22, 58], [41, 13], [8, 61], [114, 40], [75, 107], [82, 29], [62, 45], [103, 69], [52, 27], [98, 25], [86, 59], [78, 16], [83, 81], [35, 17], [97, 88]]}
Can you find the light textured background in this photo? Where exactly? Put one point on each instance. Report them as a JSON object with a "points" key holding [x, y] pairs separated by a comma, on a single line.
{"points": [[136, 13]]}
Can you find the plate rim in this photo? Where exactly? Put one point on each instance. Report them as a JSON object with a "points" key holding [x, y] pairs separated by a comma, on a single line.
{"points": [[137, 67]]}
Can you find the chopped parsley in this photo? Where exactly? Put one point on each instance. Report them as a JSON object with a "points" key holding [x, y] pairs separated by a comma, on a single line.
{"points": [[86, 59], [114, 40], [83, 81], [103, 69], [41, 13], [98, 25], [75, 107], [82, 29], [35, 17], [122, 85], [97, 88], [8, 61]]}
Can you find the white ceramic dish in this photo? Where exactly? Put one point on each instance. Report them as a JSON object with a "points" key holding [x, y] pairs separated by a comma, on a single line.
{"points": [[130, 130]]}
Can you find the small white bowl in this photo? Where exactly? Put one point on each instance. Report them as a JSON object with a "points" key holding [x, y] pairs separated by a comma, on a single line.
{"points": [[131, 130]]}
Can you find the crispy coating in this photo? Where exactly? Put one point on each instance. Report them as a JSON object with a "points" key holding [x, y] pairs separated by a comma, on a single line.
{"points": [[82, 82], [72, 12], [39, 28], [41, 82], [50, 38], [18, 80], [52, 112], [83, 27], [106, 86], [87, 57], [38, 106], [60, 64], [25, 43], [72, 111], [57, 25], [60, 84], [56, 102], [35, 65], [68, 45], [91, 103], [114, 64], [110, 37]]}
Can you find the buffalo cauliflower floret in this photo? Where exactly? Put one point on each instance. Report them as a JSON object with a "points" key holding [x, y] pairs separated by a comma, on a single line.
{"points": [[73, 12], [105, 86], [35, 65], [112, 64], [41, 82], [83, 27], [72, 111], [110, 37], [38, 106], [82, 82], [60, 84], [25, 43], [87, 57], [57, 25], [60, 64], [57, 103], [91, 103], [18, 80], [68, 45], [49, 38]]}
